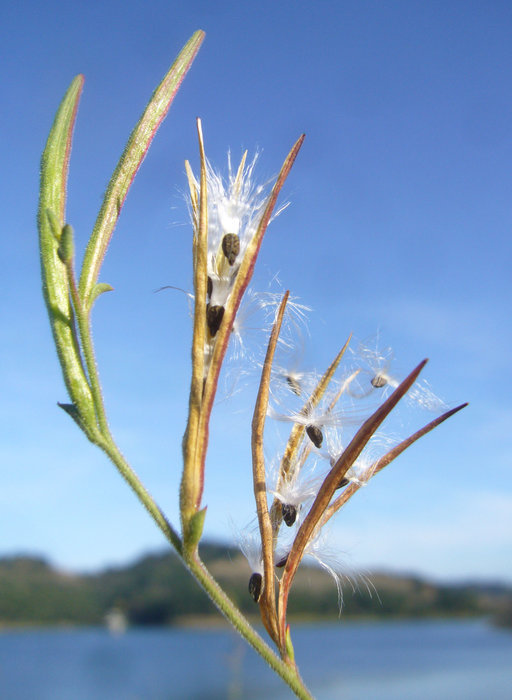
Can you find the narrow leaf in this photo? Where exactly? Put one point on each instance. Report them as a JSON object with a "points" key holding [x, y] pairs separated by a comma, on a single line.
{"points": [[195, 530], [133, 155], [51, 216], [72, 411], [96, 291]]}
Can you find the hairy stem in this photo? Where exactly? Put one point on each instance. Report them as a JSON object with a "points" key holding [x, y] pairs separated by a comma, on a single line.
{"points": [[205, 579], [289, 675]]}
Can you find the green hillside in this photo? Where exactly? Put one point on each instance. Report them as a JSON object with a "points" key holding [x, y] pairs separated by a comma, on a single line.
{"points": [[157, 590]]}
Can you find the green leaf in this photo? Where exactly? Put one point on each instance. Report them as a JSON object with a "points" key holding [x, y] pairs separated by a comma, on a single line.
{"points": [[133, 155], [72, 411], [288, 644], [96, 291], [66, 249], [51, 216], [195, 530], [55, 225]]}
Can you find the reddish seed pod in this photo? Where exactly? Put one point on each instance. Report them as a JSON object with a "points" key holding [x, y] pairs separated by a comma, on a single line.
{"points": [[315, 435], [214, 315], [231, 247], [379, 381], [255, 586], [289, 513]]}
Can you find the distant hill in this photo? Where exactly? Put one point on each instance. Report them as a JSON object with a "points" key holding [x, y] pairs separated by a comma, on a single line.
{"points": [[157, 590]]}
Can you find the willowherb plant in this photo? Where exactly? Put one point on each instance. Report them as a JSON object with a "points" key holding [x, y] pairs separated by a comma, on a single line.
{"points": [[333, 449]]}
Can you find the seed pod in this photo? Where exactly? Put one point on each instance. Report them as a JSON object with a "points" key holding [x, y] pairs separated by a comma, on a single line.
{"points": [[379, 381], [315, 435], [214, 315], [282, 561], [231, 247], [343, 482], [289, 513], [255, 586]]}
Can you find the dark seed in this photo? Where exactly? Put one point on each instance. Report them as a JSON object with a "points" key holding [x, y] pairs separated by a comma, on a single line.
{"points": [[379, 381], [209, 288], [343, 482], [231, 247], [294, 385], [282, 562], [214, 316], [289, 513], [315, 435], [255, 584]]}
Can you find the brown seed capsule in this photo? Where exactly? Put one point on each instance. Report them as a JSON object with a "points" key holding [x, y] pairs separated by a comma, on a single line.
{"points": [[255, 585], [282, 561], [214, 316], [209, 288], [379, 381], [315, 435], [289, 513], [343, 482], [231, 247]]}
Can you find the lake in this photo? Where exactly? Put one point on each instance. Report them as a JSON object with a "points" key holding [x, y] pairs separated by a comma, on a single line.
{"points": [[406, 660]]}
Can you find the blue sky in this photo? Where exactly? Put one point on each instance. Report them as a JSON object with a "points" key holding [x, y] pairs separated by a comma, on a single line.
{"points": [[399, 224]]}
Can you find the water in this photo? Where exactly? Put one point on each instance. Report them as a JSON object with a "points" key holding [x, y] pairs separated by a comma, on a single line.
{"points": [[371, 661]]}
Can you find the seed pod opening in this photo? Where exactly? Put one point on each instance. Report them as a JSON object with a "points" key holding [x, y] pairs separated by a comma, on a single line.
{"points": [[231, 247], [289, 513], [214, 315], [255, 586], [315, 435], [379, 381]]}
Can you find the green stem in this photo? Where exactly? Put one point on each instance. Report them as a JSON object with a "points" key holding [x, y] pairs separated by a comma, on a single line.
{"points": [[196, 567], [288, 673], [84, 329]]}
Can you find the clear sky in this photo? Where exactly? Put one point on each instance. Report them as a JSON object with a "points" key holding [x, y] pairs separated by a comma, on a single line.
{"points": [[399, 223]]}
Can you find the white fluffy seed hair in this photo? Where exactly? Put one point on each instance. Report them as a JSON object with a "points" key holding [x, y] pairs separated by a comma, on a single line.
{"points": [[248, 541], [319, 550], [297, 489], [376, 362]]}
